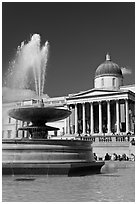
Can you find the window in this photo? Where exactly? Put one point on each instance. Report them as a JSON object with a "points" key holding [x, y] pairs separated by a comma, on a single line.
{"points": [[9, 119], [102, 82], [114, 82], [9, 133], [2, 133]]}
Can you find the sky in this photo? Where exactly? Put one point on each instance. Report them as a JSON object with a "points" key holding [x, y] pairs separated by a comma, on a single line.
{"points": [[80, 34]]}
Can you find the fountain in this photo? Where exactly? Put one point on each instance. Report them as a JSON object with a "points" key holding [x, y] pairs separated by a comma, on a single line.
{"points": [[37, 154]]}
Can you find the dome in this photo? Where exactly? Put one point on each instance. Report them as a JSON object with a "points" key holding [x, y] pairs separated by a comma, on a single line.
{"points": [[108, 68]]}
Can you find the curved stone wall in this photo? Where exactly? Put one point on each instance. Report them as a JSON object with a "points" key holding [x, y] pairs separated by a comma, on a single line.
{"points": [[53, 151], [50, 157]]}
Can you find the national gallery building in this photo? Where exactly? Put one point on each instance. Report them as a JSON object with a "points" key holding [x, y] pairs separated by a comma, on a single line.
{"points": [[107, 109]]}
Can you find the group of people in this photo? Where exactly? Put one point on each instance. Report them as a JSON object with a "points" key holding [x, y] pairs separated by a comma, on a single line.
{"points": [[115, 157]]}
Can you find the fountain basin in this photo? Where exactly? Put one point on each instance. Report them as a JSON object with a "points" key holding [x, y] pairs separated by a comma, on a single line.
{"points": [[39, 115], [50, 157]]}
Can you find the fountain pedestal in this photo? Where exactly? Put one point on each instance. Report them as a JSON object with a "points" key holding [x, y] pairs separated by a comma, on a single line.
{"points": [[52, 157]]}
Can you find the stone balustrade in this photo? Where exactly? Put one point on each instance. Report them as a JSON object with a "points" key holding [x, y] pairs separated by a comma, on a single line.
{"points": [[108, 139]]}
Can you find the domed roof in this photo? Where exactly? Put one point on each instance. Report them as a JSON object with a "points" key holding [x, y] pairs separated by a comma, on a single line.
{"points": [[108, 68]]}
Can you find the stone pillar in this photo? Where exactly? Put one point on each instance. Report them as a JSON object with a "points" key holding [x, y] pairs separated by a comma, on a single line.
{"points": [[100, 118], [16, 128], [65, 126], [127, 115], [68, 121], [69, 125], [83, 111], [108, 117], [76, 119], [91, 119], [23, 130], [117, 117]]}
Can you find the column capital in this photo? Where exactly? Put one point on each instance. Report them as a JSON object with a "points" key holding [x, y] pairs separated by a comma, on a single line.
{"points": [[83, 103], [108, 100], [76, 103]]}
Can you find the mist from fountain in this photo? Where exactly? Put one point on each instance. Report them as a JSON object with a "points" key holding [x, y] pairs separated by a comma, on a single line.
{"points": [[28, 69]]}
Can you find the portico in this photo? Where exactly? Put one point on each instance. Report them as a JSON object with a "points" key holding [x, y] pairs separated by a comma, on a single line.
{"points": [[106, 113]]}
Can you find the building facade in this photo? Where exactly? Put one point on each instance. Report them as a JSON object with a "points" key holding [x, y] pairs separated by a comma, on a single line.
{"points": [[108, 108]]}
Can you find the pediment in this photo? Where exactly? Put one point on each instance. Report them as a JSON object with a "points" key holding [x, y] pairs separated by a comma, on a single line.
{"points": [[92, 92]]}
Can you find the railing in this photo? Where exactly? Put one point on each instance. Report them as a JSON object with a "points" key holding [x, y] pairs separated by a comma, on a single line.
{"points": [[105, 139], [85, 138], [34, 102], [108, 139]]}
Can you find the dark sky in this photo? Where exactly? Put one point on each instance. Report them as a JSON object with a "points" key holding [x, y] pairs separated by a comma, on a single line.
{"points": [[80, 35]]}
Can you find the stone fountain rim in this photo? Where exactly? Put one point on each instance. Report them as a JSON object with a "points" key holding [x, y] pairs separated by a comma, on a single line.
{"points": [[36, 116]]}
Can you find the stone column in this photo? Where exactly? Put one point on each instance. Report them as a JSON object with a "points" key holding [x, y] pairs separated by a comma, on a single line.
{"points": [[76, 119], [108, 117], [68, 121], [91, 119], [16, 128], [117, 117], [127, 115], [100, 118], [65, 126], [23, 130], [83, 111]]}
